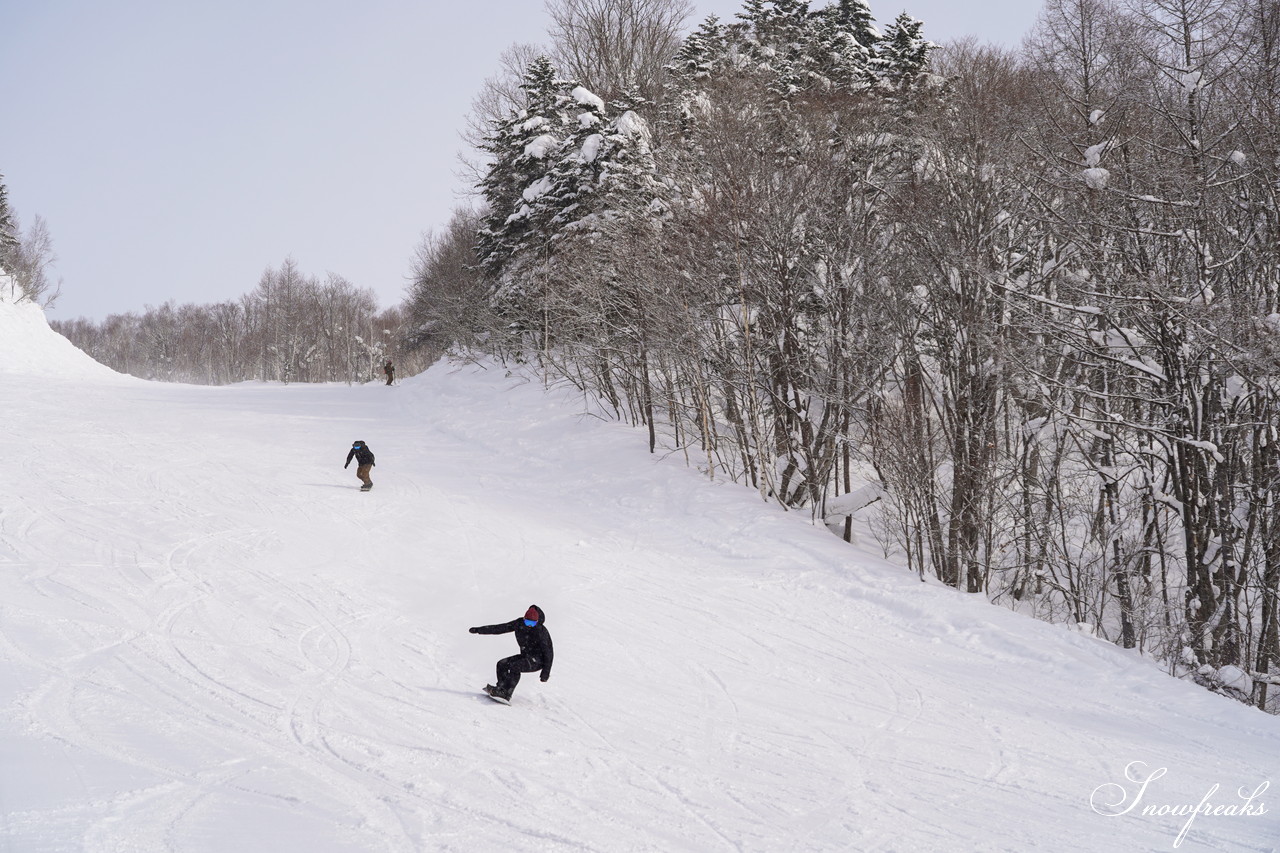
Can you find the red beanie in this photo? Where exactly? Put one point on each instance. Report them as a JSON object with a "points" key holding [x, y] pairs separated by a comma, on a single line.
{"points": [[532, 613]]}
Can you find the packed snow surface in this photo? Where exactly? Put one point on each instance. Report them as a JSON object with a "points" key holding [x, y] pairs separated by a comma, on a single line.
{"points": [[211, 641]]}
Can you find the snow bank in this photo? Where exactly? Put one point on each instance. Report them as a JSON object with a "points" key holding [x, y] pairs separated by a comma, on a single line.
{"points": [[29, 346]]}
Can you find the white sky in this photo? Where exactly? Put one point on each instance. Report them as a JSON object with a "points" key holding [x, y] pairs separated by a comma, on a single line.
{"points": [[177, 149]]}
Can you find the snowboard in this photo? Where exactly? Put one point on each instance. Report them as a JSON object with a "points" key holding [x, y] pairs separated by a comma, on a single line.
{"points": [[488, 691]]}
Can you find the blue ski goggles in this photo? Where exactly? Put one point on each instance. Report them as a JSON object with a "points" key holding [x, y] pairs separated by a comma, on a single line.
{"points": [[530, 622]]}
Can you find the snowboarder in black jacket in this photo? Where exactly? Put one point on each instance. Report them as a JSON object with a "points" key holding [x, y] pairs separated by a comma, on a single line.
{"points": [[535, 651], [364, 463]]}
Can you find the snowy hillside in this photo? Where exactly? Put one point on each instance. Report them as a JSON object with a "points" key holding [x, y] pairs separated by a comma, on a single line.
{"points": [[28, 347], [211, 641]]}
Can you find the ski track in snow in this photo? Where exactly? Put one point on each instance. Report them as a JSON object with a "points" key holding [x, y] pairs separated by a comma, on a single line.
{"points": [[212, 641]]}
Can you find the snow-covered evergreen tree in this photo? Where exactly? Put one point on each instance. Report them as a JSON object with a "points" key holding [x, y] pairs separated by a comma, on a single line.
{"points": [[566, 194], [854, 17], [563, 169], [842, 45], [617, 175], [776, 40], [701, 53], [904, 52], [703, 56], [522, 148], [790, 46]]}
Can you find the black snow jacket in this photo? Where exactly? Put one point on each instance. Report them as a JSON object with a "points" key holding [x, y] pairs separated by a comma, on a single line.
{"points": [[363, 455], [535, 642]]}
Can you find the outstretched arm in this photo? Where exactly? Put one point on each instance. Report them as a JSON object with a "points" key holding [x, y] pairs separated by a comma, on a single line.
{"points": [[350, 453], [504, 628]]}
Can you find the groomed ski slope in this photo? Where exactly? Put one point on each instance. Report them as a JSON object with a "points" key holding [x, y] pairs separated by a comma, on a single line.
{"points": [[210, 640]]}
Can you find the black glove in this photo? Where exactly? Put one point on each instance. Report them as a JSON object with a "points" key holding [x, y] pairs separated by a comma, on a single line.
{"points": [[344, 467], [473, 630], [545, 676]]}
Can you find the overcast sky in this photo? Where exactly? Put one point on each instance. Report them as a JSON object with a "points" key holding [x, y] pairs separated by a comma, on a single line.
{"points": [[177, 148]]}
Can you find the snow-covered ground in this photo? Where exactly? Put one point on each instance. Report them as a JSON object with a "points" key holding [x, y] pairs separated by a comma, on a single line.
{"points": [[210, 640]]}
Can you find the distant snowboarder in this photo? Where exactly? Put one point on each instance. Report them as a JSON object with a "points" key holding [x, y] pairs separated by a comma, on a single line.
{"points": [[535, 652], [364, 463], [390, 370]]}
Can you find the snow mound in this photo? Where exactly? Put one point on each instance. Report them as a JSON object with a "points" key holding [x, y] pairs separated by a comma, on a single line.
{"points": [[29, 346]]}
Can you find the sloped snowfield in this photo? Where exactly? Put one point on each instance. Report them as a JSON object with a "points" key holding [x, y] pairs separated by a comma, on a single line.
{"points": [[210, 640]]}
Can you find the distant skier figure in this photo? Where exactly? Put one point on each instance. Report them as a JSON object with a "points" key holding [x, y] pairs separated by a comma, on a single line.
{"points": [[364, 463], [390, 370], [535, 651]]}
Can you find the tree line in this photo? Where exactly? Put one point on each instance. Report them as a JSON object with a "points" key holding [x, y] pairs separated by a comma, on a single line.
{"points": [[292, 327], [1024, 300]]}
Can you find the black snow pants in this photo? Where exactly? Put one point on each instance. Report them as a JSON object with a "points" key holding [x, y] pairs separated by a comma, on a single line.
{"points": [[509, 670]]}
